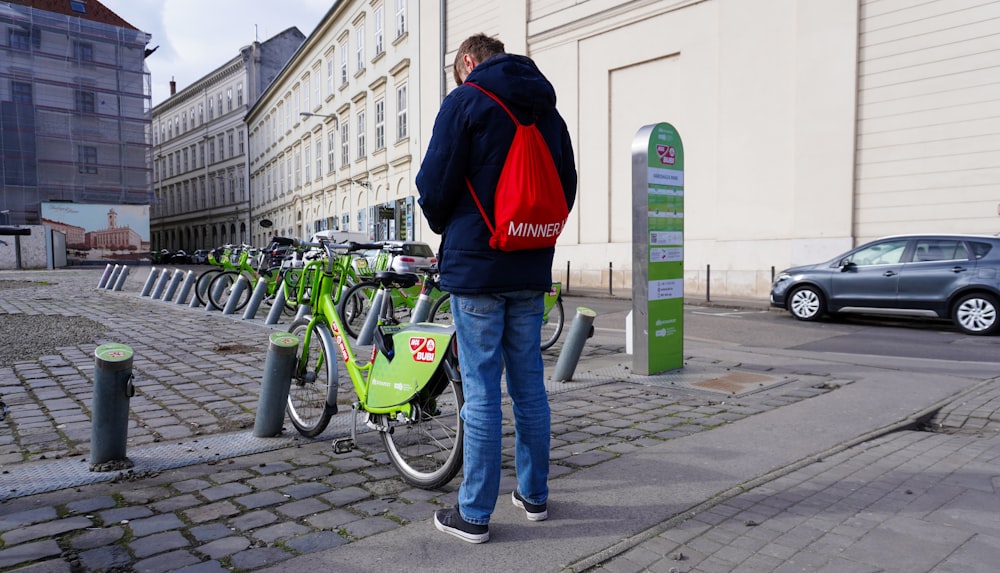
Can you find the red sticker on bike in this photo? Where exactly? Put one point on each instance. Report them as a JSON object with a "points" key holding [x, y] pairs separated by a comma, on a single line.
{"points": [[422, 349]]}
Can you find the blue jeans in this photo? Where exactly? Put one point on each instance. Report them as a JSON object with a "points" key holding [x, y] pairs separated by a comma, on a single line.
{"points": [[496, 330]]}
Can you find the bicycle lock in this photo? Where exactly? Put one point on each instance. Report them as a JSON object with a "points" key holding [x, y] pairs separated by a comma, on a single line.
{"points": [[113, 387], [279, 365]]}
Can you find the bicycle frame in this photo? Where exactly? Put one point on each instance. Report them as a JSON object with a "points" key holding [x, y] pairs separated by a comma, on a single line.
{"points": [[383, 385]]}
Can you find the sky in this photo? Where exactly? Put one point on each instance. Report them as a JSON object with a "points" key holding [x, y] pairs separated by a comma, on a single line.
{"points": [[197, 36]]}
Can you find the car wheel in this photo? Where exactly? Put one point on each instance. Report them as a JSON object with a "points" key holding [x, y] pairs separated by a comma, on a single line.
{"points": [[806, 303], [976, 313]]}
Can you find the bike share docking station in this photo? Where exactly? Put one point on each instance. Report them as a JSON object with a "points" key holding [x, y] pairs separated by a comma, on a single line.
{"points": [[657, 317]]}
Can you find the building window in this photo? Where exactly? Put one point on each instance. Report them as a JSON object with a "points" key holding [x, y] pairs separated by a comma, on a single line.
{"points": [[343, 64], [85, 102], [211, 151], [241, 142], [83, 51], [362, 129], [220, 104], [21, 92], [400, 17], [288, 172], [345, 148], [222, 148], [319, 157], [331, 151], [379, 32], [78, 6], [308, 165], [229, 99], [239, 95], [184, 120], [211, 109], [401, 127], [201, 113], [379, 124], [87, 157], [318, 84], [19, 39], [232, 148], [298, 169], [329, 77], [306, 93], [361, 47]]}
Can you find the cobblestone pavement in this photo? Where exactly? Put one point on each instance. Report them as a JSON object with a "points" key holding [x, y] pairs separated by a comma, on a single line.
{"points": [[198, 374]]}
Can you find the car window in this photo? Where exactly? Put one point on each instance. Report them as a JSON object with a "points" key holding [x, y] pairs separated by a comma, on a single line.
{"points": [[887, 253], [417, 250], [980, 250], [940, 250]]}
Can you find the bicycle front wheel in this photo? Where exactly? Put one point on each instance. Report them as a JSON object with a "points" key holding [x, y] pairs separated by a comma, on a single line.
{"points": [[315, 380], [201, 285], [355, 305], [441, 311], [427, 450], [222, 289], [552, 326]]}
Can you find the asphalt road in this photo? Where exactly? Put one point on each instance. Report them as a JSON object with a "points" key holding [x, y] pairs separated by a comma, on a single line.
{"points": [[891, 337]]}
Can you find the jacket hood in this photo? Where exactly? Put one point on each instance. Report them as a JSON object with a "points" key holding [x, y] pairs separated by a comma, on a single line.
{"points": [[517, 81]]}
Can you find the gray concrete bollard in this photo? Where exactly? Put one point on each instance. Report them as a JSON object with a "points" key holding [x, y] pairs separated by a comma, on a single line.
{"points": [[201, 289], [175, 281], [276, 306], [259, 292], [189, 280], [112, 277], [422, 309], [581, 329], [371, 321], [239, 286], [213, 294], [150, 280], [279, 365], [112, 389], [105, 276], [160, 285], [120, 283]]}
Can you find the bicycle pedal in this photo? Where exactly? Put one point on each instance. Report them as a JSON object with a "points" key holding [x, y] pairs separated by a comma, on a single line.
{"points": [[343, 445]]}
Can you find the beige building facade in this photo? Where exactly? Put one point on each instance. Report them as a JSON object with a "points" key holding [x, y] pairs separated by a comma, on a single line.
{"points": [[809, 126], [332, 146]]}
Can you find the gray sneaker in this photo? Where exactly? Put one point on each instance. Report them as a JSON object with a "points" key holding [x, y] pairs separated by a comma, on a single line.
{"points": [[533, 511]]}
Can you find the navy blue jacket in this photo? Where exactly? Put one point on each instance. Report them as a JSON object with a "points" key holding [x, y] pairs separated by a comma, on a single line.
{"points": [[471, 137]]}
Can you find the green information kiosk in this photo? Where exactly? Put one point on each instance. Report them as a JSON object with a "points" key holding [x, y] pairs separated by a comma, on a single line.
{"points": [[657, 249]]}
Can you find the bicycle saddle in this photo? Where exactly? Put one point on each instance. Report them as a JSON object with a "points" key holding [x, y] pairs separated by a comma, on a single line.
{"points": [[401, 280]]}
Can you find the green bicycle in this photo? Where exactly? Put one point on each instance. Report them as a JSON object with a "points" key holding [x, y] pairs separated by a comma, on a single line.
{"points": [[552, 320], [408, 388]]}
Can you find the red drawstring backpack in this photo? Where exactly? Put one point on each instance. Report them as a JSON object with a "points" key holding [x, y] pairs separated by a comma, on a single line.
{"points": [[529, 206]]}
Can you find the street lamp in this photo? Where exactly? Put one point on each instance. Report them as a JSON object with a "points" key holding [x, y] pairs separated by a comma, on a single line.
{"points": [[336, 120]]}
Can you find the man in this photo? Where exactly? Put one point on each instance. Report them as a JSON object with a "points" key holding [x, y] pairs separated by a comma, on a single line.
{"points": [[497, 296]]}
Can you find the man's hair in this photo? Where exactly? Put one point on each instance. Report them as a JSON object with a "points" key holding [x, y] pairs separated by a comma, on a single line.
{"points": [[481, 47]]}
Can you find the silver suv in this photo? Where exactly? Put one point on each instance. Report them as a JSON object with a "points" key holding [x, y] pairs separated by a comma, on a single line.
{"points": [[945, 276]]}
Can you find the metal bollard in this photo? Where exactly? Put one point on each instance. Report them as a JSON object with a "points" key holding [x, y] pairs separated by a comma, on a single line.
{"points": [[160, 285], [371, 321], [279, 365], [112, 277], [189, 279], [213, 295], [276, 307], [200, 288], [259, 292], [148, 286], [302, 311], [112, 389], [120, 283], [422, 309], [581, 329], [234, 297], [105, 276], [175, 281]]}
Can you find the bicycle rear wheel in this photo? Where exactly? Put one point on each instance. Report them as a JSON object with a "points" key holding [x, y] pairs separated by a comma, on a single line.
{"points": [[314, 378], [427, 451], [221, 289], [552, 327]]}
